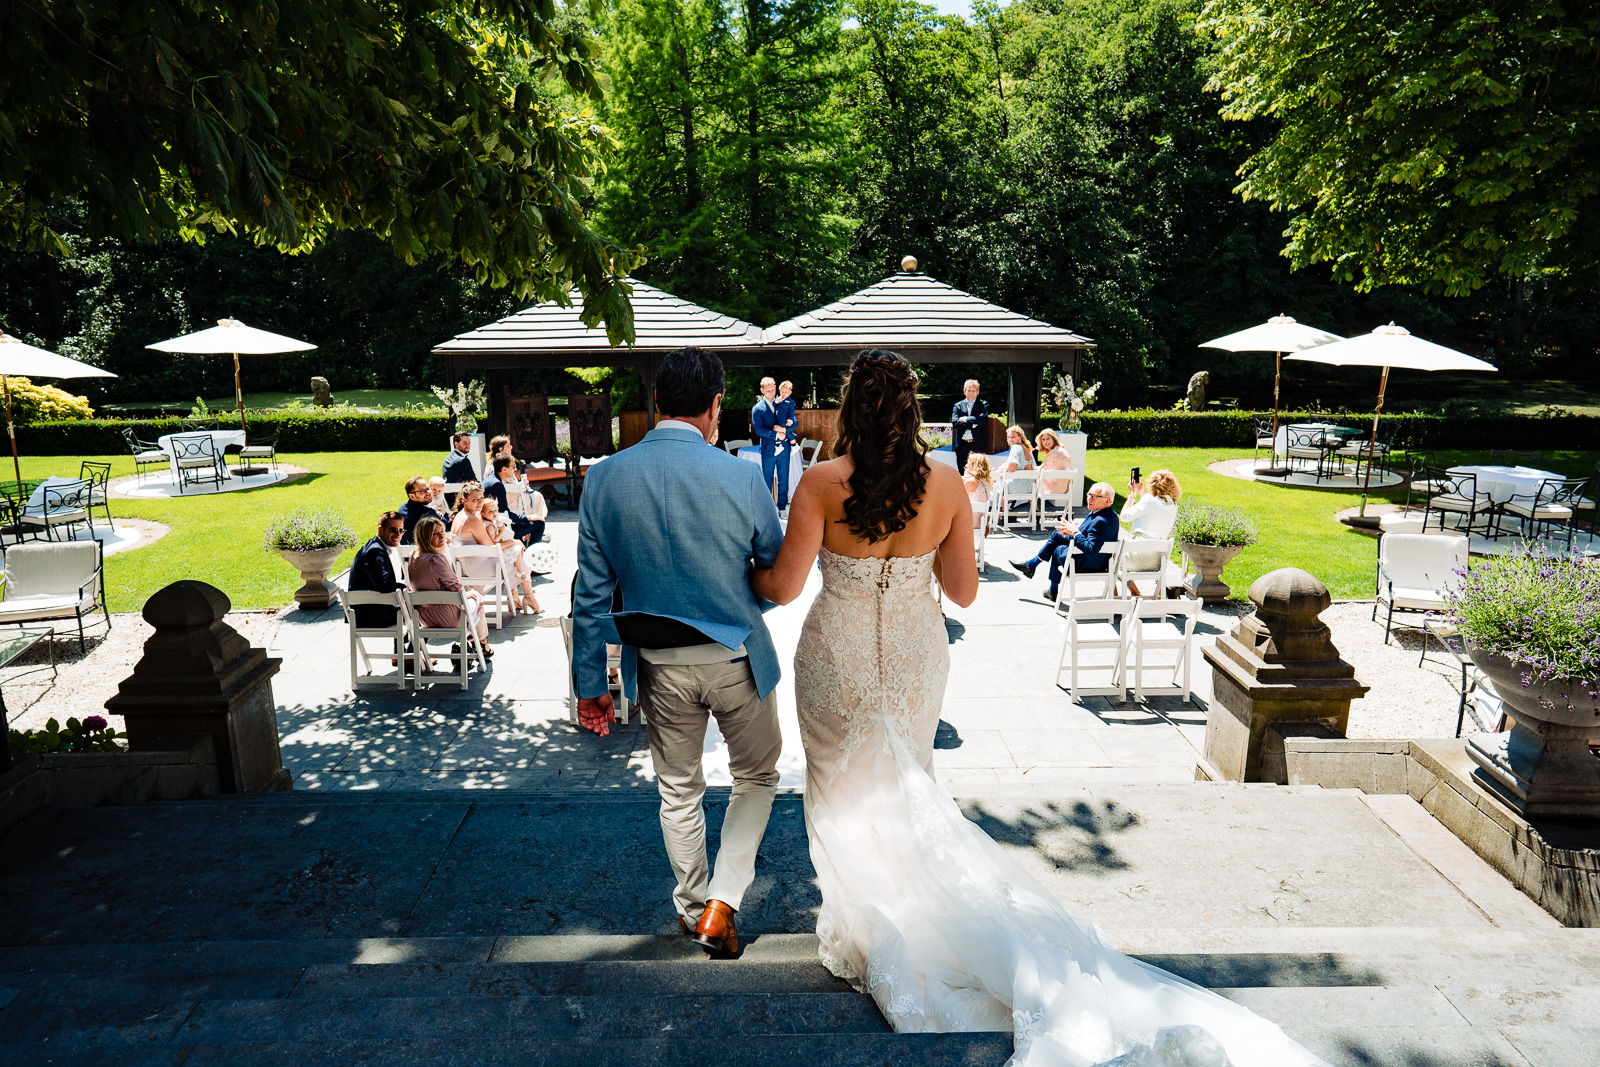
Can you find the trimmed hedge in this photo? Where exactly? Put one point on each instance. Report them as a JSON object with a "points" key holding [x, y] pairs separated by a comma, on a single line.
{"points": [[299, 432], [380, 432], [1235, 429]]}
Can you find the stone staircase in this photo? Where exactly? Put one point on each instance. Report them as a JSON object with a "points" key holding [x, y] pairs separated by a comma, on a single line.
{"points": [[440, 929]]}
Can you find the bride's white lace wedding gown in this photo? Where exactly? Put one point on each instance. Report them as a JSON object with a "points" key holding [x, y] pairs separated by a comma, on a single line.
{"points": [[920, 908]]}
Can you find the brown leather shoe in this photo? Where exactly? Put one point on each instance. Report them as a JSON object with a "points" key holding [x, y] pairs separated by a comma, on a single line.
{"points": [[683, 926], [716, 932]]}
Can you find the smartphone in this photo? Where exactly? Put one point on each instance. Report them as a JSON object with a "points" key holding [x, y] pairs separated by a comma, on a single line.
{"points": [[1134, 477]]}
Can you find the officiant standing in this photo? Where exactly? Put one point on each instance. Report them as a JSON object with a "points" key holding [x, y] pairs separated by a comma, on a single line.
{"points": [[966, 423]]}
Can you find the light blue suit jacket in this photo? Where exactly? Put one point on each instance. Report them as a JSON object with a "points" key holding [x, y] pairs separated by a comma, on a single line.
{"points": [[675, 522]]}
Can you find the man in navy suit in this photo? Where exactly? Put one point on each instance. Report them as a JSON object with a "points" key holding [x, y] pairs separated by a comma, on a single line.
{"points": [[457, 465], [791, 439], [966, 423], [527, 530], [770, 433], [1090, 537], [373, 571], [418, 506]]}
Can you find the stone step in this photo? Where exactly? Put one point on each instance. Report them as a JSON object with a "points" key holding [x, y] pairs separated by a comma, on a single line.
{"points": [[788, 1050]]}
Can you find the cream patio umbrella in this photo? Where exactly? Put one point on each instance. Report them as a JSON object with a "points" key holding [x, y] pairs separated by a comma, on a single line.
{"points": [[233, 336], [1386, 347], [1277, 335], [18, 359]]}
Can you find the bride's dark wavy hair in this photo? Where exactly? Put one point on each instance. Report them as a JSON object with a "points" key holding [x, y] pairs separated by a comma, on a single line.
{"points": [[880, 428]]}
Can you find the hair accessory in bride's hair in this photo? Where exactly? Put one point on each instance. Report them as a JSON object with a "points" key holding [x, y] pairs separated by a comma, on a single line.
{"points": [[880, 427]]}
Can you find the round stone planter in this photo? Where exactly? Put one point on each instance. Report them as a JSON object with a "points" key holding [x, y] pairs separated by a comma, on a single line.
{"points": [[313, 565], [1543, 766], [1208, 561]]}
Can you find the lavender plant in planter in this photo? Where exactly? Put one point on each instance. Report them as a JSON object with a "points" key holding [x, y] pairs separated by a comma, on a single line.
{"points": [[1210, 536], [1532, 625], [310, 541]]}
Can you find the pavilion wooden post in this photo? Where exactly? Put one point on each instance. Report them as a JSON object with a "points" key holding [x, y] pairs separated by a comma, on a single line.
{"points": [[1372, 444], [1022, 397]]}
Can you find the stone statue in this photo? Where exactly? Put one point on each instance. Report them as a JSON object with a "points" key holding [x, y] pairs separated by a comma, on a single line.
{"points": [[1197, 389], [321, 395]]}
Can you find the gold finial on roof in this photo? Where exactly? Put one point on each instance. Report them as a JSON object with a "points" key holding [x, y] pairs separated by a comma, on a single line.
{"points": [[909, 264]]}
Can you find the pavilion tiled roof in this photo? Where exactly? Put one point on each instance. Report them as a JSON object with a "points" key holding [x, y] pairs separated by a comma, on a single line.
{"points": [[910, 310], [660, 320]]}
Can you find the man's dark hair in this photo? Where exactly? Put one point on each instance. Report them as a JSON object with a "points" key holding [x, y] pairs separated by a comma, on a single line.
{"points": [[389, 516], [500, 463], [416, 485], [687, 381], [456, 439]]}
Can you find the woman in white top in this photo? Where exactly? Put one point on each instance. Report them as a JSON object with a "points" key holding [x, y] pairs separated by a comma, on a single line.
{"points": [[1021, 457], [468, 527], [1151, 510], [978, 481]]}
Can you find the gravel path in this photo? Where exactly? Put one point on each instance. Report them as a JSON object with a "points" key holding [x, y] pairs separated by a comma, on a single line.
{"points": [[86, 682]]}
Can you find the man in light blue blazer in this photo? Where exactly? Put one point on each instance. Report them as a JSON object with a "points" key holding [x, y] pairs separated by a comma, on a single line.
{"points": [[675, 525]]}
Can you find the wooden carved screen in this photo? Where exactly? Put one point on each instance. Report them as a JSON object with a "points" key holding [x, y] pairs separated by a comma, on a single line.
{"points": [[528, 422], [590, 417]]}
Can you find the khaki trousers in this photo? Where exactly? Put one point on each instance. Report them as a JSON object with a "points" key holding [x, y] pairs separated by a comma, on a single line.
{"points": [[681, 700]]}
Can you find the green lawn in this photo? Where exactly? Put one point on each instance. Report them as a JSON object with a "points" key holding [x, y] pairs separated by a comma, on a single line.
{"points": [[369, 399], [217, 539]]}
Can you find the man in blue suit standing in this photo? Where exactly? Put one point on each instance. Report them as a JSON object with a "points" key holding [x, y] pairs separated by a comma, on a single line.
{"points": [[676, 525], [770, 435], [966, 423], [790, 442]]}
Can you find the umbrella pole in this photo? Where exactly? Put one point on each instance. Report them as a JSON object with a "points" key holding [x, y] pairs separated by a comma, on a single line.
{"points": [[1372, 445], [238, 393], [1277, 377], [11, 432]]}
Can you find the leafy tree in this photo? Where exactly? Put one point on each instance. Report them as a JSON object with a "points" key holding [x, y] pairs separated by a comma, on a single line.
{"points": [[1430, 144], [293, 119]]}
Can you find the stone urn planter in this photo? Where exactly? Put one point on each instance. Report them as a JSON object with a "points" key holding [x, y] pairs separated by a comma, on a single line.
{"points": [[1208, 562], [313, 564], [1543, 766]]}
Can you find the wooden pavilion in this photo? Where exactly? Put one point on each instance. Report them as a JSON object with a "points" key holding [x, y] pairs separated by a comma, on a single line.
{"points": [[909, 312]]}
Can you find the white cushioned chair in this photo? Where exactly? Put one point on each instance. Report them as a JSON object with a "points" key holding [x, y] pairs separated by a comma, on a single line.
{"points": [[61, 580], [1415, 571]]}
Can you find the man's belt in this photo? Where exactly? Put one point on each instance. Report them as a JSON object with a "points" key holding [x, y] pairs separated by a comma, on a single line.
{"points": [[657, 631]]}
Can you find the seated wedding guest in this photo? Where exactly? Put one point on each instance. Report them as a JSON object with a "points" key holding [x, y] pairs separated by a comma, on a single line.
{"points": [[1021, 456], [429, 570], [502, 469], [1055, 459], [1089, 536], [466, 525], [419, 503], [372, 571], [522, 598], [1150, 511], [457, 466], [437, 501], [499, 445], [978, 482]]}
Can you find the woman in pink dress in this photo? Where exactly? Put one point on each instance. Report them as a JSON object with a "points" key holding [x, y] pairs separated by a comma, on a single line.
{"points": [[1055, 459], [429, 570]]}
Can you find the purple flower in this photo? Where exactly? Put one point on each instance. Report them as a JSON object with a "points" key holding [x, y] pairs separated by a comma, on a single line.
{"points": [[94, 724]]}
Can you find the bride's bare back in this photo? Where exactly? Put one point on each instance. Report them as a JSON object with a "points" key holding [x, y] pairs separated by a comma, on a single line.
{"points": [[943, 521]]}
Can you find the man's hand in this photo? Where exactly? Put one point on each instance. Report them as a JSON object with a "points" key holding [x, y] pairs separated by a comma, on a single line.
{"points": [[595, 714]]}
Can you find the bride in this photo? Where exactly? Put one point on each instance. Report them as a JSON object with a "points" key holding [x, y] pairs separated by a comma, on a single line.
{"points": [[920, 908]]}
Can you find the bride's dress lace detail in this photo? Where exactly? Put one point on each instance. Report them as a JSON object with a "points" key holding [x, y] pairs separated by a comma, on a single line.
{"points": [[922, 910]]}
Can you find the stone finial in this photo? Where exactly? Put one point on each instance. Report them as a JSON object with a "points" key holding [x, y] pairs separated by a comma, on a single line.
{"points": [[190, 635], [1288, 602], [908, 264]]}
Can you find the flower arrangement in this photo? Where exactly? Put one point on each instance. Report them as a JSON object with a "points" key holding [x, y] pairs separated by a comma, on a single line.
{"points": [[93, 734], [1071, 401], [467, 403], [307, 530], [1539, 611], [1213, 524]]}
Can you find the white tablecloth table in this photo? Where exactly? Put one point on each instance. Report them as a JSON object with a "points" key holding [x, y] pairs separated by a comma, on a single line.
{"points": [[753, 454], [221, 440], [1499, 483]]}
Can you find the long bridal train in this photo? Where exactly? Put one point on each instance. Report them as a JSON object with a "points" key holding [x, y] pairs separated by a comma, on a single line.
{"points": [[921, 909]]}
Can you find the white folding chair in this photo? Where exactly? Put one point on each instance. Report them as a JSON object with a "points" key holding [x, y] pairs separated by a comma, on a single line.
{"points": [[624, 711], [734, 446], [1052, 505], [980, 530], [459, 634], [1155, 642], [810, 449], [1094, 641], [395, 634], [1099, 585], [496, 585], [1143, 560], [1018, 488]]}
